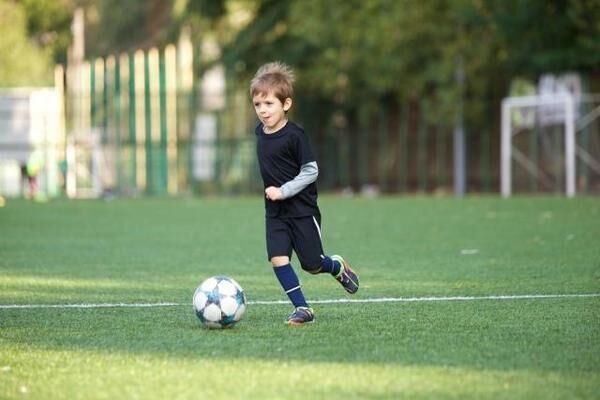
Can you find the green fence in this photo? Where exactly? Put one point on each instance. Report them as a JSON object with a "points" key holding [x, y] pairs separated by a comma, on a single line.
{"points": [[129, 122], [137, 124], [145, 113]]}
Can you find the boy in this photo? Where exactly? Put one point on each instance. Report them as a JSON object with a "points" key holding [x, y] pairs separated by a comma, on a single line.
{"points": [[289, 171]]}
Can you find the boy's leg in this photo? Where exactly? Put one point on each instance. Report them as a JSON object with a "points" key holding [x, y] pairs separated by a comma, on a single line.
{"points": [[306, 241], [288, 280], [328, 264], [306, 234], [279, 249]]}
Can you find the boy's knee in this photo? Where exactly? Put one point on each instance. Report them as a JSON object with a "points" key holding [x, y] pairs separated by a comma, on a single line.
{"points": [[311, 269], [280, 261], [311, 263]]}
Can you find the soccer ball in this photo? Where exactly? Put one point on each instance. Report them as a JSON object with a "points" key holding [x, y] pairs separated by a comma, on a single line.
{"points": [[219, 302]]}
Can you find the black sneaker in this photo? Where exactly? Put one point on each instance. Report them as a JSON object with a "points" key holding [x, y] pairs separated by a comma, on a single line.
{"points": [[347, 277], [301, 316]]}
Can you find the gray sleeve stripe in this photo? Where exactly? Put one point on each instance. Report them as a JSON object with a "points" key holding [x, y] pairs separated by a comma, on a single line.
{"points": [[308, 174]]}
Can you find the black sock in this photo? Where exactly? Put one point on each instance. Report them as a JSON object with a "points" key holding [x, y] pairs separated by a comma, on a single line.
{"points": [[330, 265], [291, 285]]}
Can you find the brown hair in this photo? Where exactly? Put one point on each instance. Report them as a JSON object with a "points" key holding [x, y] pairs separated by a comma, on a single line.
{"points": [[275, 77]]}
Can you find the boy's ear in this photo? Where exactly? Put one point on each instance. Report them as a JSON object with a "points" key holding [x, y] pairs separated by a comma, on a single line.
{"points": [[287, 104]]}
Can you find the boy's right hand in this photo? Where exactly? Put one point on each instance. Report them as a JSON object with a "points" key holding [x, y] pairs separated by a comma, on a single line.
{"points": [[273, 193]]}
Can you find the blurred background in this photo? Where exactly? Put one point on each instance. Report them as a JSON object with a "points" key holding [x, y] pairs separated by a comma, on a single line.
{"points": [[150, 97]]}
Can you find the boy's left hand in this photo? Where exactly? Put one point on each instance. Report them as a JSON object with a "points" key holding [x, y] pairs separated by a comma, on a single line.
{"points": [[273, 193]]}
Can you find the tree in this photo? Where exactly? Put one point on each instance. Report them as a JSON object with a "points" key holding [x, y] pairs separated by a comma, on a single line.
{"points": [[357, 51], [116, 26], [49, 25], [540, 36], [22, 62]]}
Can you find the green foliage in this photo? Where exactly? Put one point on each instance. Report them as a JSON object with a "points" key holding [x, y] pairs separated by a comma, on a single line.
{"points": [[155, 250], [121, 26], [211, 9], [540, 36], [49, 24], [356, 53], [350, 55], [22, 62]]}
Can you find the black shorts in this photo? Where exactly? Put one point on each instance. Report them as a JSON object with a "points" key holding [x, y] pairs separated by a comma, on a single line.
{"points": [[303, 235]]}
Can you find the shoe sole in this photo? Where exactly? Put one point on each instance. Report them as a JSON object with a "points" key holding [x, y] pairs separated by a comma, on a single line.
{"points": [[294, 323], [353, 281]]}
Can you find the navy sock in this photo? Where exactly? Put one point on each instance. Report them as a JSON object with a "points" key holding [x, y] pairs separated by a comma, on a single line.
{"points": [[330, 265], [291, 285]]}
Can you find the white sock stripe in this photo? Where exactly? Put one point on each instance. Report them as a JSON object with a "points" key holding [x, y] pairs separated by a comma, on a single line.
{"points": [[324, 301], [292, 289]]}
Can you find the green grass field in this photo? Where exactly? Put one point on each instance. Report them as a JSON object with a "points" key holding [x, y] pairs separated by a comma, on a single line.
{"points": [[158, 250]]}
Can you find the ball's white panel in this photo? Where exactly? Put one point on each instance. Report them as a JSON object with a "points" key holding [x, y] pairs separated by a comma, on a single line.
{"points": [[226, 288], [237, 285], [199, 300], [212, 313], [240, 312], [229, 305], [209, 284]]}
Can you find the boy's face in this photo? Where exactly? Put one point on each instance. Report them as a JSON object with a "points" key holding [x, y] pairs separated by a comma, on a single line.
{"points": [[271, 111]]}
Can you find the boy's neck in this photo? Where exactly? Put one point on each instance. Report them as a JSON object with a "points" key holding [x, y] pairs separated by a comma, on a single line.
{"points": [[280, 127]]}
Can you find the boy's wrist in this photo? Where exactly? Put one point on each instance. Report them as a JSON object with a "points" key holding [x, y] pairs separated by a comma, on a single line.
{"points": [[284, 190]]}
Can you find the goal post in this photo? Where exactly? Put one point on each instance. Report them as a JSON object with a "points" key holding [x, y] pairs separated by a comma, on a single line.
{"points": [[556, 109]]}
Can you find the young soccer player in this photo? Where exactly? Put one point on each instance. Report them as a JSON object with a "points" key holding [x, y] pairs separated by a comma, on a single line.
{"points": [[289, 171]]}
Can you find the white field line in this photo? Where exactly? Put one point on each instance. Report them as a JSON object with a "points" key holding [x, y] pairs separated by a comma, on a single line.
{"points": [[329, 301]]}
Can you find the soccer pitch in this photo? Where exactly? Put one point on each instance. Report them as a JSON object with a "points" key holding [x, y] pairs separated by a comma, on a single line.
{"points": [[460, 299]]}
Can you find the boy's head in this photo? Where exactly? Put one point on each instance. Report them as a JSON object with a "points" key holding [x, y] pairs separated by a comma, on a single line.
{"points": [[273, 78]]}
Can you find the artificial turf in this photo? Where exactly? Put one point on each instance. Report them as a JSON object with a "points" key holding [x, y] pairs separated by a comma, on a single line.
{"points": [[148, 251]]}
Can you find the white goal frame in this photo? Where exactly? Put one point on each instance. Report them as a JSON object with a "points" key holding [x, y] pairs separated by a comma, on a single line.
{"points": [[564, 101]]}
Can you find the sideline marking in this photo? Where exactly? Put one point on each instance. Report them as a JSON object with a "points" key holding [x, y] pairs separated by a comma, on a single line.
{"points": [[330, 301]]}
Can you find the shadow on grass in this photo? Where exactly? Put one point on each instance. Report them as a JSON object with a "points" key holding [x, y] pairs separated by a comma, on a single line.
{"points": [[554, 335], [147, 245]]}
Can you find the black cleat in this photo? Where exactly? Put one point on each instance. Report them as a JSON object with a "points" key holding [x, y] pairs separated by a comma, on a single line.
{"points": [[301, 316], [347, 277]]}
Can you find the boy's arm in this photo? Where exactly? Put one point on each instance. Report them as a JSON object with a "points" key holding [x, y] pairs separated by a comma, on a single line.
{"points": [[308, 174]]}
